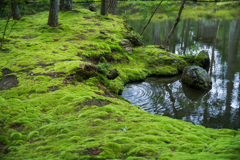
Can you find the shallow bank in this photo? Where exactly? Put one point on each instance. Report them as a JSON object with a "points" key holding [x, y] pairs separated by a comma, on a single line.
{"points": [[61, 111]]}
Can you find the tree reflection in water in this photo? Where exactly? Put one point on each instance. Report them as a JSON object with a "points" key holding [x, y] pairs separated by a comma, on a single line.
{"points": [[218, 108]]}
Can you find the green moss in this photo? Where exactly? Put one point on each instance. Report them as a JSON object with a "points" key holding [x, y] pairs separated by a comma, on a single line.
{"points": [[4, 140], [143, 151], [101, 114], [33, 134], [122, 140]]}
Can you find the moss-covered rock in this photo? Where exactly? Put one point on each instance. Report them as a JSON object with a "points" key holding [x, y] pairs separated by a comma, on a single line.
{"points": [[196, 77]]}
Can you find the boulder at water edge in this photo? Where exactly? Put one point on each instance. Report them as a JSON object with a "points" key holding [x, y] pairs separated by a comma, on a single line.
{"points": [[196, 77]]}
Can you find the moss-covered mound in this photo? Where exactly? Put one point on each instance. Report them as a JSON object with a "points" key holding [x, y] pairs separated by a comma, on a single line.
{"points": [[63, 106]]}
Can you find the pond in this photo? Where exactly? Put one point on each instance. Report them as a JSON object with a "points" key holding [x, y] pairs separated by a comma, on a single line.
{"points": [[217, 108]]}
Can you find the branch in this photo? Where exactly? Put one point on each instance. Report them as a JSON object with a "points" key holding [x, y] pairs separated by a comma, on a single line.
{"points": [[150, 18], [175, 24]]}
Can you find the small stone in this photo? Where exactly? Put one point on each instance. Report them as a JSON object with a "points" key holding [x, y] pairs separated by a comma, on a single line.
{"points": [[135, 40], [160, 55], [92, 8], [102, 32], [172, 56], [113, 74], [129, 50], [127, 45]]}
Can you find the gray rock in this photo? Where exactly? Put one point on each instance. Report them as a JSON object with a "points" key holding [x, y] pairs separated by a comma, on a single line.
{"points": [[135, 40], [160, 55], [113, 74], [127, 45], [196, 77]]}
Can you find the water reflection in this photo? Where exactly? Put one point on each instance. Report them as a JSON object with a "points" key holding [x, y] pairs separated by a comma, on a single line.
{"points": [[218, 108]]}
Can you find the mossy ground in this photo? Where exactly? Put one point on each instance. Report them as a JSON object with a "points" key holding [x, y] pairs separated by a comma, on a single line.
{"points": [[51, 114]]}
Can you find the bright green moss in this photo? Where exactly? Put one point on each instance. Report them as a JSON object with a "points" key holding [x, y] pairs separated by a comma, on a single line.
{"points": [[33, 134], [143, 151], [122, 140], [101, 114]]}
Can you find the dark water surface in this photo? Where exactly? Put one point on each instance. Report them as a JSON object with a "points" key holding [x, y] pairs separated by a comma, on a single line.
{"points": [[218, 108]]}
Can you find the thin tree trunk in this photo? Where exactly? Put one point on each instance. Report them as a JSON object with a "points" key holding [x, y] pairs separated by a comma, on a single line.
{"points": [[239, 89], [182, 35], [62, 6], [104, 7], [53, 14], [230, 73], [224, 37], [15, 10], [69, 5], [175, 25], [9, 16], [150, 18], [112, 6]]}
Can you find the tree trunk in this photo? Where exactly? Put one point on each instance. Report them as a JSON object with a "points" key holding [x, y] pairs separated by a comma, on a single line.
{"points": [[53, 13], [104, 7], [4, 32], [156, 33], [112, 6], [175, 25], [183, 29], [69, 5], [62, 6], [15, 10]]}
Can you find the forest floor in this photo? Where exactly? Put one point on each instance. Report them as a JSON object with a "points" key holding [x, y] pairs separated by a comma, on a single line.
{"points": [[57, 103]]}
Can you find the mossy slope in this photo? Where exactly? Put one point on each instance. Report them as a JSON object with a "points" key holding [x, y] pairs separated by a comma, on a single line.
{"points": [[54, 114]]}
